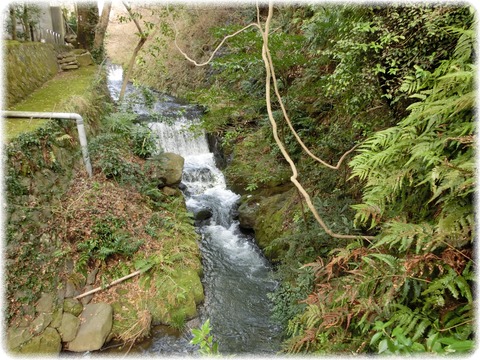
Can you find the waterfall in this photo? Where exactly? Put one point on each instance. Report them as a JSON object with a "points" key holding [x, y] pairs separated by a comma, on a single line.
{"points": [[237, 277], [178, 139]]}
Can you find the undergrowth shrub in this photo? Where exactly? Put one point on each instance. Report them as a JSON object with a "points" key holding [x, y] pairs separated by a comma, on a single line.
{"points": [[410, 289], [108, 238]]}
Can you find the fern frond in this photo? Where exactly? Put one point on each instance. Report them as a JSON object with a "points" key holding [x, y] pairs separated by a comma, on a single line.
{"points": [[456, 285], [403, 236]]}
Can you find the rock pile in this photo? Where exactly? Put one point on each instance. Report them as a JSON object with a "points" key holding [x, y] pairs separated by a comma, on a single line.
{"points": [[62, 322], [67, 61]]}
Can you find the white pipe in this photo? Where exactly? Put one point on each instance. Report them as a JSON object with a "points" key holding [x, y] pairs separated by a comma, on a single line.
{"points": [[51, 115]]}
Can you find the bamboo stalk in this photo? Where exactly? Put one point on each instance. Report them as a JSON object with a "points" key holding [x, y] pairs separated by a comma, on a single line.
{"points": [[93, 291]]}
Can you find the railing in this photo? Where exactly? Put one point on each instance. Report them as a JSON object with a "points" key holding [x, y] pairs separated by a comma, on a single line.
{"points": [[51, 115]]}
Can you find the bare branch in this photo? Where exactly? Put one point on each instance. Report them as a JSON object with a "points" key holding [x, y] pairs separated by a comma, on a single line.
{"points": [[289, 123], [134, 19], [270, 74], [93, 291], [214, 51]]}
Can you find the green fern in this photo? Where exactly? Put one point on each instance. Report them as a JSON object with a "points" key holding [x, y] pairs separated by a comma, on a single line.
{"points": [[424, 164], [457, 286]]}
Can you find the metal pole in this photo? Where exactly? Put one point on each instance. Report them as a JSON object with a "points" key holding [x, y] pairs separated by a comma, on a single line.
{"points": [[82, 136]]}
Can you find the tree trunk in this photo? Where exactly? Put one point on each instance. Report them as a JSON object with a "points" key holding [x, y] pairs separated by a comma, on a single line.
{"points": [[26, 27], [13, 20], [97, 50], [130, 67], [87, 19], [143, 39]]}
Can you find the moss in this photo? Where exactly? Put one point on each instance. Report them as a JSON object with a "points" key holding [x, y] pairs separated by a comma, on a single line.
{"points": [[28, 65], [125, 316], [54, 96], [265, 172], [273, 221], [177, 296], [39, 166]]}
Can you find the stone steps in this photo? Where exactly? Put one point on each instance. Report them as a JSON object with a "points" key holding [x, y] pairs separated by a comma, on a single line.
{"points": [[72, 60]]}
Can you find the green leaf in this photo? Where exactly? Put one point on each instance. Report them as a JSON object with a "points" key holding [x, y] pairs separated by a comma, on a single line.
{"points": [[386, 346], [390, 260], [460, 345], [376, 337]]}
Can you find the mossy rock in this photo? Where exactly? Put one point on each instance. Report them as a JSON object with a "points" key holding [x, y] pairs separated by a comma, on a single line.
{"points": [[48, 342], [125, 316], [166, 169], [272, 221], [177, 295], [264, 172], [72, 306]]}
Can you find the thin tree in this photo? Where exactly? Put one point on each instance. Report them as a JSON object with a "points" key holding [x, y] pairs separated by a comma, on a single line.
{"points": [[143, 38], [13, 21], [25, 18], [100, 30]]}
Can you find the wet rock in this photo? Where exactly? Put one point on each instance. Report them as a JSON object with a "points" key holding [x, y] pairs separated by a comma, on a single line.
{"points": [[193, 323], [247, 214], [165, 169], [270, 220], [203, 214], [96, 323]]}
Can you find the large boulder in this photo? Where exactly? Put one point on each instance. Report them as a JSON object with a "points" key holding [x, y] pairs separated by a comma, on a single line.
{"points": [[271, 222], [84, 59], [96, 323], [247, 214], [166, 169]]}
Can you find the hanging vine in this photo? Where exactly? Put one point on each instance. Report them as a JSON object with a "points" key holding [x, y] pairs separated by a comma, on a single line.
{"points": [[269, 68]]}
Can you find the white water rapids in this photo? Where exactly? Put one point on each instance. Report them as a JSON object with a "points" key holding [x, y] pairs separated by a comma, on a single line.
{"points": [[237, 277]]}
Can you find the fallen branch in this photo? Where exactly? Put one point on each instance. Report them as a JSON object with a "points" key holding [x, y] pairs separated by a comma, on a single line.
{"points": [[93, 291]]}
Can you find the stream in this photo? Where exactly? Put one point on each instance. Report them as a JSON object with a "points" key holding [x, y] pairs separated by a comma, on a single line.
{"points": [[236, 275]]}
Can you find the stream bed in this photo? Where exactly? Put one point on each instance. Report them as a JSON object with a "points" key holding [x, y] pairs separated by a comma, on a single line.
{"points": [[237, 278]]}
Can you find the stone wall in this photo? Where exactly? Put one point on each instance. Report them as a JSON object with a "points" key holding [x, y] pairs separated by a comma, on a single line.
{"points": [[27, 66]]}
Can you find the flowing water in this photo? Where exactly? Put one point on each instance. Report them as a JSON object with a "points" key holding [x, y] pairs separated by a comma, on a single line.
{"points": [[237, 277]]}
